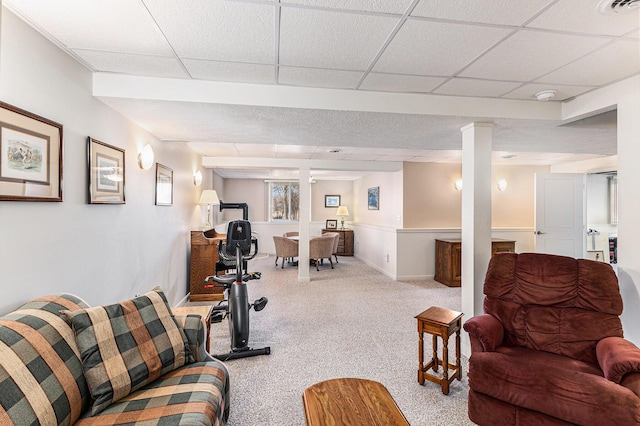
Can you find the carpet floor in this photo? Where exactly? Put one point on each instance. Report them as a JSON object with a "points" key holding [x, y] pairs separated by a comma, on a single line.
{"points": [[351, 321]]}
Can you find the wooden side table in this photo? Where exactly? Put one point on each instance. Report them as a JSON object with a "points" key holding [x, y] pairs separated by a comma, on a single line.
{"points": [[353, 402], [439, 322], [203, 311]]}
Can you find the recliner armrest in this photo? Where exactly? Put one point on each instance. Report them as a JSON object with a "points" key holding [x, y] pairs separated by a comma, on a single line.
{"points": [[617, 357], [485, 331]]}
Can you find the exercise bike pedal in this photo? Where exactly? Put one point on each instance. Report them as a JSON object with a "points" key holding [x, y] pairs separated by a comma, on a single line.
{"points": [[259, 304], [217, 317]]}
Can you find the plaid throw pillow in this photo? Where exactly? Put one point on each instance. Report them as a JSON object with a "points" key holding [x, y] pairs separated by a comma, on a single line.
{"points": [[127, 345]]}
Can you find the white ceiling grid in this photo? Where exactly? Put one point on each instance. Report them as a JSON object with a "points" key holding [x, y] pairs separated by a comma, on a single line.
{"points": [[502, 49]]}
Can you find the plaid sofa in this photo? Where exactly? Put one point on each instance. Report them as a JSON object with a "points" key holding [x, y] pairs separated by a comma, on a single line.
{"points": [[42, 382]]}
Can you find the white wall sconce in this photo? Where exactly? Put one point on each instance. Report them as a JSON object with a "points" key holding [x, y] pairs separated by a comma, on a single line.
{"points": [[146, 157], [210, 198], [502, 185], [458, 184], [197, 178]]}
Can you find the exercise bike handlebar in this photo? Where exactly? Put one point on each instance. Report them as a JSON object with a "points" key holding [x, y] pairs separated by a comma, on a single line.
{"points": [[227, 280]]}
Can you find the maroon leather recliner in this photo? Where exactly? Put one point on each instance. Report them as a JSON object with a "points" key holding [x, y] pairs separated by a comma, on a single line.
{"points": [[549, 348]]}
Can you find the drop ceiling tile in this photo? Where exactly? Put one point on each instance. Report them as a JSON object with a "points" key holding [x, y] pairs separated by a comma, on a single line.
{"points": [[597, 68], [485, 11], [125, 63], [563, 92], [256, 150], [382, 6], [230, 71], [209, 149], [322, 39], [115, 26], [474, 87], [297, 149], [362, 157], [575, 16], [527, 55], [218, 30], [435, 48], [314, 77], [400, 83]]}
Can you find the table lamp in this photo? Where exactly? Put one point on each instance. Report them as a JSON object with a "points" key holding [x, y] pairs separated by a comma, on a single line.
{"points": [[210, 198], [342, 211]]}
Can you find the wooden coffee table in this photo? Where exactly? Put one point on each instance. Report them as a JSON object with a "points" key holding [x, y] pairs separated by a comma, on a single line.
{"points": [[439, 322], [353, 402]]}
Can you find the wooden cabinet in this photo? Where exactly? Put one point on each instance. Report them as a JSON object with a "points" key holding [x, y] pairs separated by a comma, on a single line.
{"points": [[204, 255], [345, 243], [449, 256]]}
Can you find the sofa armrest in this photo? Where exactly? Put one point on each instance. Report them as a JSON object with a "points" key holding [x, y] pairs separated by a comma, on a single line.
{"points": [[617, 358], [485, 331], [195, 330]]}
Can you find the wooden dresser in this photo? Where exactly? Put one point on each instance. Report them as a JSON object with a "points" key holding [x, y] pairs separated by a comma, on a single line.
{"points": [[449, 255], [345, 243], [204, 255]]}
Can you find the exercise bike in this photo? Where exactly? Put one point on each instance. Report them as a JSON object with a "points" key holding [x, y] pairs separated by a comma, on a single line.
{"points": [[236, 306]]}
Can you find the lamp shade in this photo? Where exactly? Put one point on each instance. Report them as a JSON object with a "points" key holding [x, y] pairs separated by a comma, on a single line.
{"points": [[342, 211], [210, 197]]}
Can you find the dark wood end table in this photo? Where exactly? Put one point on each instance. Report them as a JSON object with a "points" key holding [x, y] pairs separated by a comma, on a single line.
{"points": [[439, 322], [353, 402]]}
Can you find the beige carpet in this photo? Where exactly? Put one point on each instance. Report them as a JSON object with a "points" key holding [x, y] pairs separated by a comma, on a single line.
{"points": [[351, 321]]}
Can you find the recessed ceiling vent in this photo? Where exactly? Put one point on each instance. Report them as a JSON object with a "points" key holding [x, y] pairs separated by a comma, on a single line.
{"points": [[612, 7]]}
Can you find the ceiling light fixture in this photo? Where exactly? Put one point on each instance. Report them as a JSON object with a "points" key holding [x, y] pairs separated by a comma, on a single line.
{"points": [[545, 95], [612, 7], [334, 151]]}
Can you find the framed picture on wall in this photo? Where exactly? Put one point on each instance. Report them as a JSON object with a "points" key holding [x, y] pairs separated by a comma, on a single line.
{"points": [[30, 156], [332, 224], [164, 185], [105, 172], [331, 201], [373, 198]]}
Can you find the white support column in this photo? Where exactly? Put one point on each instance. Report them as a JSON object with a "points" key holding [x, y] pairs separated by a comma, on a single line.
{"points": [[304, 223], [628, 207], [476, 217]]}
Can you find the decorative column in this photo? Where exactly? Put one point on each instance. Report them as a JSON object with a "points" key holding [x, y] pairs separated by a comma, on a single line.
{"points": [[476, 217], [304, 223]]}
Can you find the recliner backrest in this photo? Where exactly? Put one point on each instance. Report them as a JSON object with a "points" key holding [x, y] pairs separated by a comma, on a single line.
{"points": [[553, 303]]}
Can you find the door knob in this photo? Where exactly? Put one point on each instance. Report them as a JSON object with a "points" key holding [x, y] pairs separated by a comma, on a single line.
{"points": [[539, 233]]}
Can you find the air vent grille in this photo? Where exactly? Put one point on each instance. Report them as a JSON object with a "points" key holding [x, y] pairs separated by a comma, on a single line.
{"points": [[610, 7]]}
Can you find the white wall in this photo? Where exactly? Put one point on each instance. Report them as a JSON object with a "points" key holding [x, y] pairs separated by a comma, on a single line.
{"points": [[102, 253]]}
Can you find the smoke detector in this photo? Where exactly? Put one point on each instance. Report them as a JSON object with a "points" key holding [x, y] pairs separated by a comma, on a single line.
{"points": [[545, 95], [612, 7]]}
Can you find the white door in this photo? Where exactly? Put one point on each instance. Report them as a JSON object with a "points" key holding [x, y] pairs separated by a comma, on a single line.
{"points": [[560, 219]]}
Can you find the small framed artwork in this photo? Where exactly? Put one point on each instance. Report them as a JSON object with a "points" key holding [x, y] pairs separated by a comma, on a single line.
{"points": [[106, 173], [373, 198], [164, 185], [332, 224], [30, 156], [331, 201]]}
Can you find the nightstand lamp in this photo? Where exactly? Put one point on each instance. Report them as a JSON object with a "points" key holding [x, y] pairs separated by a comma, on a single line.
{"points": [[210, 198], [342, 211]]}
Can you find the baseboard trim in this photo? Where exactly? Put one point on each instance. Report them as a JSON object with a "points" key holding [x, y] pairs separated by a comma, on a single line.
{"points": [[184, 300]]}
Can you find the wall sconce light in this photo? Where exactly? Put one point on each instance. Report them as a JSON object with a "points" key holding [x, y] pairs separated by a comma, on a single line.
{"points": [[502, 185], [342, 211], [210, 198], [146, 157], [197, 178], [458, 184]]}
